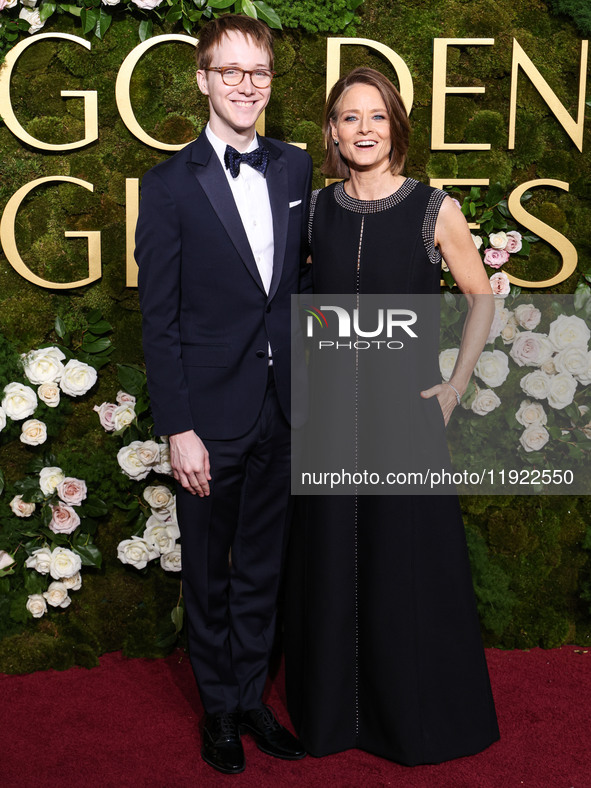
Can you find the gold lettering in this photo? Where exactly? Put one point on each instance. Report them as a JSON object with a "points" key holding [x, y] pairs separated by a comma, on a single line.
{"points": [[544, 231], [333, 65], [8, 240], [440, 91], [132, 210], [122, 89], [89, 97], [572, 128]]}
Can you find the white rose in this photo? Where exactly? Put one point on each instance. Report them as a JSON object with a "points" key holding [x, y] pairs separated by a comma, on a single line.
{"points": [[64, 563], [21, 508], [164, 466], [510, 331], [530, 349], [528, 316], [123, 415], [172, 525], [548, 367], [123, 398], [167, 514], [110, 2], [57, 595], [531, 413], [569, 330], [34, 432], [39, 560], [72, 491], [573, 359], [584, 377], [130, 463], [500, 284], [10, 4], [6, 560], [536, 384], [64, 519], [136, 551], [500, 320], [158, 496], [49, 393], [73, 583], [33, 17], [492, 367], [36, 605], [77, 378], [477, 240], [147, 5], [534, 438], [484, 402], [514, 242], [19, 401], [149, 453], [498, 240], [43, 365], [2, 419], [171, 562], [159, 537], [49, 478], [562, 390]]}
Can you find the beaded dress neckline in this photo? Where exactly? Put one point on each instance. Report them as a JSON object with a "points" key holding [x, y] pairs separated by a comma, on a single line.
{"points": [[373, 206]]}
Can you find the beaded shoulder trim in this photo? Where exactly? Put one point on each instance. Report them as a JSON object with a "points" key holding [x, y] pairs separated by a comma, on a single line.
{"points": [[313, 200], [432, 212], [373, 206]]}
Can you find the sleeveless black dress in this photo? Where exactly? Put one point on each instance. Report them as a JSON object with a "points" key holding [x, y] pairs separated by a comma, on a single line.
{"points": [[382, 640]]}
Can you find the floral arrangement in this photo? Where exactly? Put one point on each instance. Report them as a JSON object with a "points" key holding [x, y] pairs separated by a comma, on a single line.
{"points": [[536, 380], [50, 519], [95, 16], [151, 509]]}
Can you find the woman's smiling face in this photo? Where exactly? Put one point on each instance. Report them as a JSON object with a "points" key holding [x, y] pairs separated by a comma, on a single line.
{"points": [[362, 128]]}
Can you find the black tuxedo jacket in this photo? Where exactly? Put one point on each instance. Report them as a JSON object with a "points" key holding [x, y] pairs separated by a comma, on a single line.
{"points": [[206, 319]]}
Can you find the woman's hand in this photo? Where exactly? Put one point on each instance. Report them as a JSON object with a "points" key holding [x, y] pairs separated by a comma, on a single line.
{"points": [[446, 397]]}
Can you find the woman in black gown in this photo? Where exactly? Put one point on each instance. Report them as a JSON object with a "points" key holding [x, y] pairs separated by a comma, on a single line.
{"points": [[383, 647]]}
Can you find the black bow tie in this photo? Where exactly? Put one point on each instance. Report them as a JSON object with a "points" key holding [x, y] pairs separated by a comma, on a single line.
{"points": [[257, 159]]}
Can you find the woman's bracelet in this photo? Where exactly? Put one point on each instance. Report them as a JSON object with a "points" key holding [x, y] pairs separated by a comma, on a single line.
{"points": [[457, 393]]}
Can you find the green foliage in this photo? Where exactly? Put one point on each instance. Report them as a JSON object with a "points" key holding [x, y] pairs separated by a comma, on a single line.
{"points": [[578, 10], [331, 17]]}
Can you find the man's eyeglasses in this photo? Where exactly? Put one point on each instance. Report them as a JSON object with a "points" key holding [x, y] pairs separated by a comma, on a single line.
{"points": [[232, 75]]}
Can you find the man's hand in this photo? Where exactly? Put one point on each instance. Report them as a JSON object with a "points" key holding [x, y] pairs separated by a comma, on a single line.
{"points": [[190, 462]]}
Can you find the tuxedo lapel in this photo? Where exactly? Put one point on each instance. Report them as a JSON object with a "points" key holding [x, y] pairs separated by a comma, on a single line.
{"points": [[207, 169], [279, 199]]}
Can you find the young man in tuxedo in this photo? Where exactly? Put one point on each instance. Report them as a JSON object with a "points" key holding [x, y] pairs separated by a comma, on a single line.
{"points": [[219, 243]]}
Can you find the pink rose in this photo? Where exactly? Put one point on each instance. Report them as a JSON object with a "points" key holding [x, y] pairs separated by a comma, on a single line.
{"points": [[513, 242], [500, 284], [124, 398], [106, 412], [72, 491], [64, 519], [496, 257]]}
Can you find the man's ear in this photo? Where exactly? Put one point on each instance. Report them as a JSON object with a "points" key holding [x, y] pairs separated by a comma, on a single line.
{"points": [[202, 82]]}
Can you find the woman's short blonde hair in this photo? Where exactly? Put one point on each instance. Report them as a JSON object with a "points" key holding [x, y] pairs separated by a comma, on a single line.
{"points": [[334, 164]]}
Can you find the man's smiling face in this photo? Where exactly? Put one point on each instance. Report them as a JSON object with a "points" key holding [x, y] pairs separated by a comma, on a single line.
{"points": [[235, 110]]}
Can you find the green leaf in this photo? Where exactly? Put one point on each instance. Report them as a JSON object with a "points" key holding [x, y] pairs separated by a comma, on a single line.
{"points": [[248, 8], [267, 14], [101, 326], [94, 316], [71, 9], [174, 14], [94, 507], [131, 378], [504, 210], [89, 19], [177, 615], [525, 248], [1, 482], [145, 29], [531, 238], [187, 25], [582, 294], [103, 24], [60, 327], [494, 195], [46, 10], [217, 4], [92, 344], [90, 554]]}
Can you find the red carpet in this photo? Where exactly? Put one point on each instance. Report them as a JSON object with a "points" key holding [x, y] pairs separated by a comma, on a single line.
{"points": [[134, 723]]}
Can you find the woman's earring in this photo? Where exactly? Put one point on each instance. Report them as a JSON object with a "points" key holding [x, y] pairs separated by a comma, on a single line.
{"points": [[336, 142]]}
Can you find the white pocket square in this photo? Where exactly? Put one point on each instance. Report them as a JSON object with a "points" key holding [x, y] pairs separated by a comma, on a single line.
{"points": [[293, 204]]}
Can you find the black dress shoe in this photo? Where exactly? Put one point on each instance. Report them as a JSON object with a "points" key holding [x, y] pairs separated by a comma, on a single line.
{"points": [[221, 746], [271, 737]]}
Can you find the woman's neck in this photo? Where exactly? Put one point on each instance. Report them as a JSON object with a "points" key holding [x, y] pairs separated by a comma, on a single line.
{"points": [[372, 185]]}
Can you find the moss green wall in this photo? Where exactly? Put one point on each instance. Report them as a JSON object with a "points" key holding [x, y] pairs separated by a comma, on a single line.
{"points": [[531, 571]]}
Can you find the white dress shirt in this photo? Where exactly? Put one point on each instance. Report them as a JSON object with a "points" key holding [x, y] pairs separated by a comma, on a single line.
{"points": [[252, 200]]}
